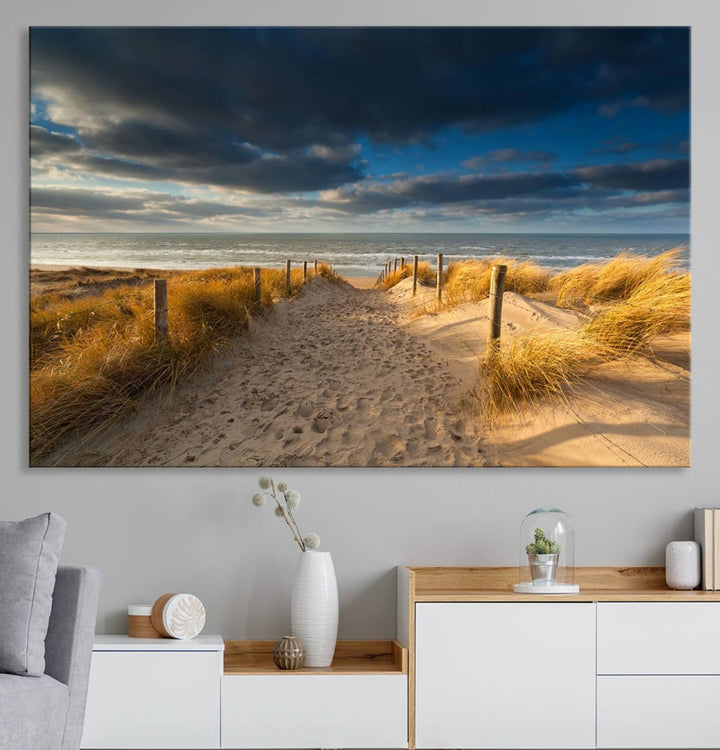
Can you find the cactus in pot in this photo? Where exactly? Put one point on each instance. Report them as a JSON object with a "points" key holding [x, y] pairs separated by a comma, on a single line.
{"points": [[543, 555]]}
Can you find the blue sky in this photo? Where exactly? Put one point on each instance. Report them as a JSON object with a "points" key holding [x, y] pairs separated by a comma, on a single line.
{"points": [[395, 129]]}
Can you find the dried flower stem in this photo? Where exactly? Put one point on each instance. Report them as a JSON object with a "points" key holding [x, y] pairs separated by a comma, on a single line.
{"points": [[297, 536]]}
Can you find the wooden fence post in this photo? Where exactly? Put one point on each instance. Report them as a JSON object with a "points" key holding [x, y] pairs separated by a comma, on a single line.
{"points": [[258, 287], [395, 267], [287, 276], [402, 264], [439, 276], [415, 273], [497, 287], [304, 272], [315, 268], [161, 311]]}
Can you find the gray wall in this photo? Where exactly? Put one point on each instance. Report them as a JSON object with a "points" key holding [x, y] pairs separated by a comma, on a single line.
{"points": [[153, 531]]}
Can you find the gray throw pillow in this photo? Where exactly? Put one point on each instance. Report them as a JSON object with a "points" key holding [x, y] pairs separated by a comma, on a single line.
{"points": [[29, 552]]}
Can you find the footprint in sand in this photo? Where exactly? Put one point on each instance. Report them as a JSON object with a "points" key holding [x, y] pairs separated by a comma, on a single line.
{"points": [[389, 444], [305, 409], [322, 422]]}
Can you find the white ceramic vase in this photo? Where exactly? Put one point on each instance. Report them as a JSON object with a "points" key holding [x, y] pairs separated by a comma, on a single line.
{"points": [[314, 607], [682, 565]]}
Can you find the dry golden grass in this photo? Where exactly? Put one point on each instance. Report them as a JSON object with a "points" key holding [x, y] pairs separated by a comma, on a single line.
{"points": [[540, 365], [532, 367], [607, 282], [93, 358], [656, 306], [469, 281], [426, 275]]}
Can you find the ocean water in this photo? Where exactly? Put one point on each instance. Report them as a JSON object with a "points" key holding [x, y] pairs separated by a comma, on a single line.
{"points": [[350, 254]]}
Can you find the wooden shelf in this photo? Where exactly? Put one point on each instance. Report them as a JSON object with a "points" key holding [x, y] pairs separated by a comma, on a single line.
{"points": [[351, 657], [601, 584]]}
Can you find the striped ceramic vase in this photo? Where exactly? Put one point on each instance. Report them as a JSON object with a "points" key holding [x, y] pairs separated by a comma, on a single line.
{"points": [[314, 608]]}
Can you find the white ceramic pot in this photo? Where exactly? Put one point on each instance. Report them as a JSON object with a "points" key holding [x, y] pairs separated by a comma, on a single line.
{"points": [[682, 565], [314, 607]]}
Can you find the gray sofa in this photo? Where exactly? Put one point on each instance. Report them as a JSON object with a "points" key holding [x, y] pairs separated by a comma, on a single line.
{"points": [[47, 712]]}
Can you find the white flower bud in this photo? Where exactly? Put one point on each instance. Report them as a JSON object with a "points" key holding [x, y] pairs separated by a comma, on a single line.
{"points": [[258, 499], [264, 482], [279, 512], [312, 540], [282, 486]]}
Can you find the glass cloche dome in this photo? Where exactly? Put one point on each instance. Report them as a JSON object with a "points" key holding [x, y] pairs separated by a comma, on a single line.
{"points": [[547, 553]]}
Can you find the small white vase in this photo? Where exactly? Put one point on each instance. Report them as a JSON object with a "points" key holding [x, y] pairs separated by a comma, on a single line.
{"points": [[314, 607], [682, 565]]}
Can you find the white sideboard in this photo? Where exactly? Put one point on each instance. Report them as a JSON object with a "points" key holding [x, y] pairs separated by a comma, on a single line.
{"points": [[154, 693], [627, 663], [205, 693]]}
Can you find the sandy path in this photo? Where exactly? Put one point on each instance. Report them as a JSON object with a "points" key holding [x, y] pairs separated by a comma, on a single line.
{"points": [[329, 378], [630, 413]]}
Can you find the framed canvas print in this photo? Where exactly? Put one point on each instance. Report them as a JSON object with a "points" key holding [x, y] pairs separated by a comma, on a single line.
{"points": [[350, 246]]}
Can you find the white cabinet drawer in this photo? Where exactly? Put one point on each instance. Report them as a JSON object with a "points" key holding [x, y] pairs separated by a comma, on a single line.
{"points": [[311, 711], [658, 711], [659, 638], [153, 699], [502, 675]]}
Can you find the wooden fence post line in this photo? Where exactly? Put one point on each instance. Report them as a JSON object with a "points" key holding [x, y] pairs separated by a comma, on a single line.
{"points": [[258, 287], [161, 311], [497, 287], [415, 273], [439, 276], [287, 275], [304, 272]]}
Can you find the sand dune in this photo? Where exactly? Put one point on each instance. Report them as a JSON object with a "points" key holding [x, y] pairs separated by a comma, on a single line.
{"points": [[347, 376]]}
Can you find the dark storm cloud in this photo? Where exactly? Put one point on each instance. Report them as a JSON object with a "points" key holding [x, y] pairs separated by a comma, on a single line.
{"points": [[45, 143], [139, 205], [239, 166], [614, 146], [209, 103], [656, 174], [620, 146], [510, 155], [584, 187]]}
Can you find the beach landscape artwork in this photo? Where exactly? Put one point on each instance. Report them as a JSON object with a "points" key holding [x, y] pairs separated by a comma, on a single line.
{"points": [[363, 247]]}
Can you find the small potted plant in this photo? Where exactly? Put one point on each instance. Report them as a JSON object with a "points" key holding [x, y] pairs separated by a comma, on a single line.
{"points": [[543, 555]]}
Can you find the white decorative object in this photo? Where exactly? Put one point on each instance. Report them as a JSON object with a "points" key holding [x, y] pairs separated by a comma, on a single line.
{"points": [[682, 565], [179, 616], [547, 553], [314, 607]]}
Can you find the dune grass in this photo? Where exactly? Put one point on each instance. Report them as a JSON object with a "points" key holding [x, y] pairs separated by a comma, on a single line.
{"points": [[426, 275], [469, 281], [93, 358], [539, 365], [532, 367], [598, 283]]}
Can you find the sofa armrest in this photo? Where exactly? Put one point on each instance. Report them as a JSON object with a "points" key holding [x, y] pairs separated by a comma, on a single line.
{"points": [[69, 641]]}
